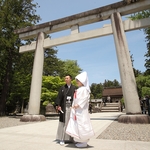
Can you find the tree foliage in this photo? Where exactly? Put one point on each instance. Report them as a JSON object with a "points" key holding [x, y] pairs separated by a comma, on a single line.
{"points": [[16, 69], [55, 70], [50, 88], [108, 83], [52, 65], [143, 79], [70, 67], [14, 14], [140, 15], [143, 85], [97, 89]]}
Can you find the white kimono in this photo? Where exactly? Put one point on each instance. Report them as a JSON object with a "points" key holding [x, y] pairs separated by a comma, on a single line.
{"points": [[79, 125]]}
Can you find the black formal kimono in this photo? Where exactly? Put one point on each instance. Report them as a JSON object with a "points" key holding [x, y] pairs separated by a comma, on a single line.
{"points": [[64, 99]]}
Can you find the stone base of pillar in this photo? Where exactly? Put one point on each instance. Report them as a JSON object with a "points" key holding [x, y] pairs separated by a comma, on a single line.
{"points": [[134, 119], [32, 118]]}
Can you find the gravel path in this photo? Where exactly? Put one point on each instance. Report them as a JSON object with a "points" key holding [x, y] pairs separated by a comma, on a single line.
{"points": [[131, 132], [115, 131], [11, 121], [15, 121]]}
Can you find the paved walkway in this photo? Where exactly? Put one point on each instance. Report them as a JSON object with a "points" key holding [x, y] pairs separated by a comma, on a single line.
{"points": [[41, 136]]}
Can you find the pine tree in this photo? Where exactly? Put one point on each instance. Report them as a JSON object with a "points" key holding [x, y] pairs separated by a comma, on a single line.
{"points": [[14, 14]]}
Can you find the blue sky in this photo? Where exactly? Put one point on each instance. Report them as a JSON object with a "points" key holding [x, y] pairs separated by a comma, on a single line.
{"points": [[96, 56]]}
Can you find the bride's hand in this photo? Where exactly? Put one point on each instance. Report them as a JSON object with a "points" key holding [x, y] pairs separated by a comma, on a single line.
{"points": [[75, 106]]}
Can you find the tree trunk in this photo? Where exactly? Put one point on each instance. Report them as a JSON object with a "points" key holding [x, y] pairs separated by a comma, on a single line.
{"points": [[5, 84]]}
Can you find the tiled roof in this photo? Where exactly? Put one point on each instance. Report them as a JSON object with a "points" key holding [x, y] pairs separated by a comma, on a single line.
{"points": [[117, 91]]}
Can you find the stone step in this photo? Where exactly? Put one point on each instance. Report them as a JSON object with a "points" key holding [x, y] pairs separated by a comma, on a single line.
{"points": [[112, 103], [110, 108], [109, 105]]}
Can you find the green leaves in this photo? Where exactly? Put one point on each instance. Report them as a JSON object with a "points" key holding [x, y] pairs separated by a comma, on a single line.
{"points": [[96, 89], [50, 87], [70, 67], [140, 15], [143, 85], [14, 14]]}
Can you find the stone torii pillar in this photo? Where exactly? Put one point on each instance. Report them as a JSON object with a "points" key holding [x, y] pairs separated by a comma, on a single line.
{"points": [[36, 83], [129, 87]]}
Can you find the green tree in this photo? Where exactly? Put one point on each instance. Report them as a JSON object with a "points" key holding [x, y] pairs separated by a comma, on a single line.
{"points": [[136, 71], [70, 67], [21, 81], [97, 89], [15, 77], [140, 15], [52, 65], [14, 14], [143, 85], [116, 83], [93, 89], [108, 83], [20, 90], [50, 88]]}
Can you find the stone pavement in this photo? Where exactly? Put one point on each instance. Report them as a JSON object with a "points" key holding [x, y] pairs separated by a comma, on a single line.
{"points": [[41, 136]]}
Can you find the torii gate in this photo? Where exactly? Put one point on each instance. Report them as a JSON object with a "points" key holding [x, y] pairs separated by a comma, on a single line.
{"points": [[117, 28]]}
